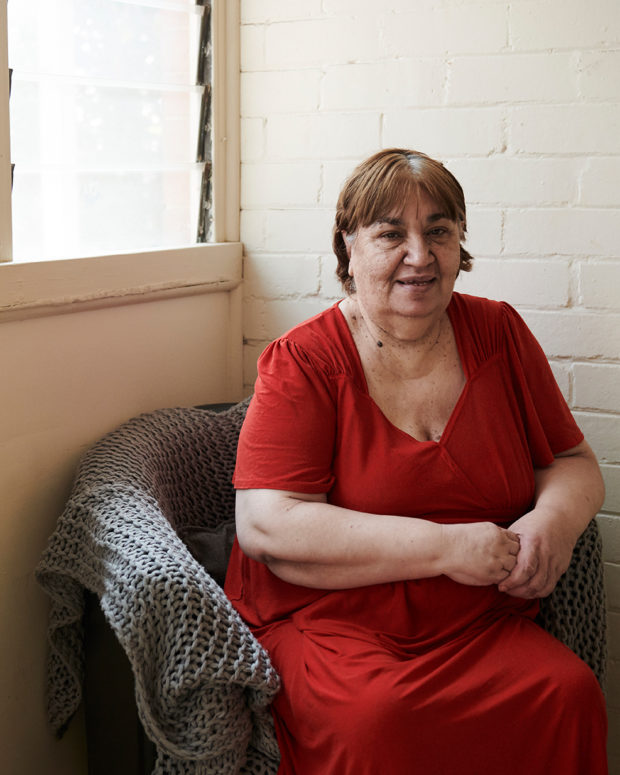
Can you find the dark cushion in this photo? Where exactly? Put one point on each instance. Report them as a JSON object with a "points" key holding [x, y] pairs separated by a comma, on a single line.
{"points": [[210, 546]]}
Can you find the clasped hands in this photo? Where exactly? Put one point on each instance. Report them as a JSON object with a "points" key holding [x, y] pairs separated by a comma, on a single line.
{"points": [[524, 561], [544, 554]]}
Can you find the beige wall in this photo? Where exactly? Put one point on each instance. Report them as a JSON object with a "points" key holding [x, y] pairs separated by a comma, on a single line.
{"points": [[521, 100], [66, 380]]}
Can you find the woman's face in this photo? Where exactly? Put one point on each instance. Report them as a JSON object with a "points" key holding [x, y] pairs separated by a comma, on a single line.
{"points": [[405, 264]]}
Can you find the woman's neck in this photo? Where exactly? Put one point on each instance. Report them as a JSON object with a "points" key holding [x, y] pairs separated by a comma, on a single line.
{"points": [[408, 349]]}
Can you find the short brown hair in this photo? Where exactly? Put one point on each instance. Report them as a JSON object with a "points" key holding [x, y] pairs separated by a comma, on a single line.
{"points": [[384, 182]]}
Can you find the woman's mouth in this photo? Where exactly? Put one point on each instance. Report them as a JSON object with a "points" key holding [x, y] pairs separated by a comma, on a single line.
{"points": [[419, 282]]}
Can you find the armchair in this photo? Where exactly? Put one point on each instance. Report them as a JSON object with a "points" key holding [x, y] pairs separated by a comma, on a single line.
{"points": [[174, 681]]}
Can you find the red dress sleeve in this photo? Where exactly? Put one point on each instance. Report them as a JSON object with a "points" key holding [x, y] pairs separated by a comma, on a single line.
{"points": [[548, 423], [287, 439]]}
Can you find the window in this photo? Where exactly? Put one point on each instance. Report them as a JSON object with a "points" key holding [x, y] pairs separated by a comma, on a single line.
{"points": [[105, 114], [66, 201]]}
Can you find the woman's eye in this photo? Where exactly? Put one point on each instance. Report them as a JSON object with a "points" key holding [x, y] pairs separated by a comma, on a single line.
{"points": [[390, 235], [440, 231]]}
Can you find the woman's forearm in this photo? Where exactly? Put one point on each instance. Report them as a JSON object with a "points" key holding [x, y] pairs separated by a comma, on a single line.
{"points": [[571, 489], [310, 542]]}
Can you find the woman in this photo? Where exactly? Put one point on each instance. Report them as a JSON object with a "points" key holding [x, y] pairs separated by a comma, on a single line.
{"points": [[409, 482]]}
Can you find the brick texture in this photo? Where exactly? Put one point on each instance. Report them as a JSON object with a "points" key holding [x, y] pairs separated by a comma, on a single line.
{"points": [[521, 100]]}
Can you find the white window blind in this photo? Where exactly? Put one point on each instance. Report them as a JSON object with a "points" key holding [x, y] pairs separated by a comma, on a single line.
{"points": [[105, 119]]}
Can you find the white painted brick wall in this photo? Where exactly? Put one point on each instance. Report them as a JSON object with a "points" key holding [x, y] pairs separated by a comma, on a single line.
{"points": [[511, 181], [599, 75], [599, 182], [521, 100], [544, 77], [280, 276], [564, 24], [563, 231], [597, 386], [583, 128], [599, 284], [442, 29], [288, 184], [266, 93], [521, 282], [382, 85], [261, 11], [446, 132], [322, 135], [575, 333]]}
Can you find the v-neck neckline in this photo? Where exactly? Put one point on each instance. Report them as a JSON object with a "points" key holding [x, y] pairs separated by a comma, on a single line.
{"points": [[452, 312]]}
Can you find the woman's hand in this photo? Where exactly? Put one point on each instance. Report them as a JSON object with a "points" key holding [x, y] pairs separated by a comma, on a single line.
{"points": [[569, 492], [479, 553], [545, 554]]}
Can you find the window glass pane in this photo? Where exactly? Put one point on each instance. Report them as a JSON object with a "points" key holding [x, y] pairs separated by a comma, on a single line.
{"points": [[126, 199], [127, 41], [104, 123], [93, 126]]}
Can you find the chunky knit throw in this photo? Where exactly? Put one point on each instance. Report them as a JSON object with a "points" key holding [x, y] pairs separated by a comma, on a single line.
{"points": [[575, 612], [203, 682]]}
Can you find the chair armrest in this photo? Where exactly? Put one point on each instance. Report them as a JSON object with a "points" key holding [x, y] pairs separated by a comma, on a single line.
{"points": [[575, 612]]}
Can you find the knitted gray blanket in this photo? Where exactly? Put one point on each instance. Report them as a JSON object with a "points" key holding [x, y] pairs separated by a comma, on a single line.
{"points": [[203, 682]]}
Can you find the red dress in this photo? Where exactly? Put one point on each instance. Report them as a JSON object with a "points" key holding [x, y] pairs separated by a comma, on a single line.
{"points": [[429, 676]]}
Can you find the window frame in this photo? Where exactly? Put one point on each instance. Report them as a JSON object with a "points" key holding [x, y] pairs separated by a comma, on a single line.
{"points": [[37, 288]]}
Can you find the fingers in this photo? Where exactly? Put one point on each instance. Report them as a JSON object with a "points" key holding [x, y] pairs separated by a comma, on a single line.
{"points": [[509, 562], [529, 581], [511, 549], [539, 563], [503, 551], [530, 590], [515, 542], [521, 576], [525, 569]]}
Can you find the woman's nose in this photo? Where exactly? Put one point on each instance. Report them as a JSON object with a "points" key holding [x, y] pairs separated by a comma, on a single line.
{"points": [[417, 251]]}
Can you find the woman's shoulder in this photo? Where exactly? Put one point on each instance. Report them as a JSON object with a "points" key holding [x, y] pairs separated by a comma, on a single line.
{"points": [[483, 325], [482, 314], [477, 307], [323, 340]]}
